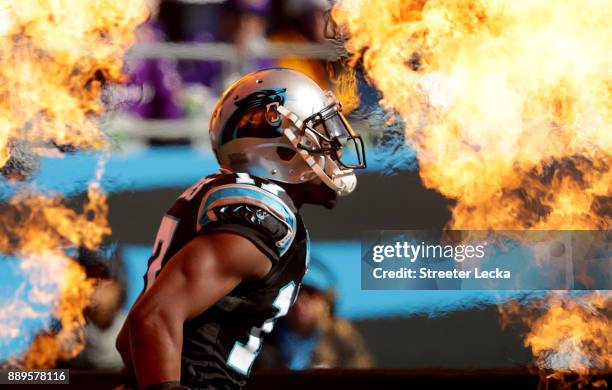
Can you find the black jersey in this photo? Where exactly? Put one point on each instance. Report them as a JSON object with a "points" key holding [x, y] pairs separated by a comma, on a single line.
{"points": [[221, 344]]}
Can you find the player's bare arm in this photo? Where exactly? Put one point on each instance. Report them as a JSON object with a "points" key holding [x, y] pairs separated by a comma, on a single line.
{"points": [[201, 273], [123, 344]]}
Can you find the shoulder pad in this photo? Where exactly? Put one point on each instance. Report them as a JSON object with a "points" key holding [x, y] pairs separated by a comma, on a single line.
{"points": [[236, 194]]}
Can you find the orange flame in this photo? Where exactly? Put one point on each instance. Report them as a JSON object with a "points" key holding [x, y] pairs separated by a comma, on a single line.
{"points": [[585, 321], [39, 228], [508, 105], [345, 88], [56, 56], [569, 336]]}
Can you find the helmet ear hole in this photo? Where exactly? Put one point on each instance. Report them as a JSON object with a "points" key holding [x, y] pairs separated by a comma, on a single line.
{"points": [[284, 153]]}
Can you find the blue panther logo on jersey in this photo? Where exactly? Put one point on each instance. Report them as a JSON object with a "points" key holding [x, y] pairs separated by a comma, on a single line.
{"points": [[250, 119]]}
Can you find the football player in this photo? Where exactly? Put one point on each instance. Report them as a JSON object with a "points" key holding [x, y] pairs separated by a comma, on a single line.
{"points": [[231, 252]]}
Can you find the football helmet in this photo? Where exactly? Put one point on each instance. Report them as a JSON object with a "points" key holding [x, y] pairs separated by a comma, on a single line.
{"points": [[279, 124]]}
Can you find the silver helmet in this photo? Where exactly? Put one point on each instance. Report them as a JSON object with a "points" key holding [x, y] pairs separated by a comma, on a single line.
{"points": [[279, 124]]}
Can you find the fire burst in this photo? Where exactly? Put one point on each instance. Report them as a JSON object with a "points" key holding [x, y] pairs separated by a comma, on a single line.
{"points": [[509, 107], [56, 56]]}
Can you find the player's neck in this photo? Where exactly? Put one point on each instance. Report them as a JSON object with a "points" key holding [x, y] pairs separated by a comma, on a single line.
{"points": [[310, 193], [295, 195]]}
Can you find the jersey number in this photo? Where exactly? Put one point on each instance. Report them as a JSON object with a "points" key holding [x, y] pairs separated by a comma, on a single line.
{"points": [[166, 233], [242, 356], [162, 243]]}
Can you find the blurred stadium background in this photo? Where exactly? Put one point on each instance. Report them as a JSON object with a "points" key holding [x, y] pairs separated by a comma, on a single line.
{"points": [[187, 54]]}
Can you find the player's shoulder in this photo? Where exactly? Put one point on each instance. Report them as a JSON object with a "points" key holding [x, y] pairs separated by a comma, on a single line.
{"points": [[234, 187], [254, 202]]}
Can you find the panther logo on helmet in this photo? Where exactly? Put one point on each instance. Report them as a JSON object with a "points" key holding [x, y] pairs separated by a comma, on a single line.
{"points": [[251, 118]]}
